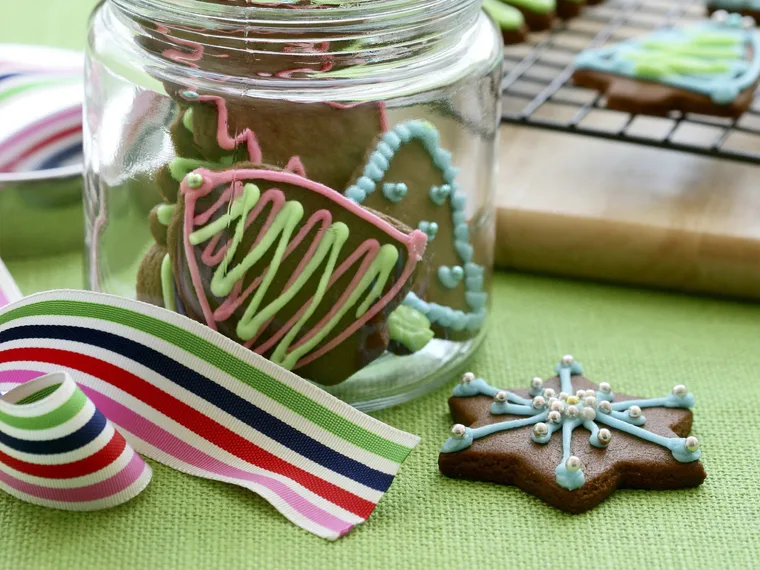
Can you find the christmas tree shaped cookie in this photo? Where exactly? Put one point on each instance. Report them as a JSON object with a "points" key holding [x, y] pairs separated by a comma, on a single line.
{"points": [[570, 442], [284, 265], [411, 178], [710, 68]]}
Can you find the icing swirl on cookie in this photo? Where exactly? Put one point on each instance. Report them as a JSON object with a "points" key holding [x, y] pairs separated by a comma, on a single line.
{"points": [[282, 231]]}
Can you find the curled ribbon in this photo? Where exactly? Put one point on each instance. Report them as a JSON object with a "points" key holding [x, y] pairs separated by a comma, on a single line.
{"points": [[184, 395]]}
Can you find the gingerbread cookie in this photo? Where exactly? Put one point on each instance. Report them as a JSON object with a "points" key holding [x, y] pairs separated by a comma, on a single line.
{"points": [[711, 68], [749, 8], [322, 141], [410, 177], [568, 9], [284, 265], [509, 19], [509, 437]]}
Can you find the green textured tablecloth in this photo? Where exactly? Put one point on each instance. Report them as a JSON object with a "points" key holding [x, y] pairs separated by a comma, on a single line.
{"points": [[642, 342]]}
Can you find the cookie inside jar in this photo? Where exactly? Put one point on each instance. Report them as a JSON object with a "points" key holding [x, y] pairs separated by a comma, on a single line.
{"points": [[313, 185]]}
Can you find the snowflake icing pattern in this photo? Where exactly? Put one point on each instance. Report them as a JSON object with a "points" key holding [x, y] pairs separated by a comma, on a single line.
{"points": [[549, 412]]}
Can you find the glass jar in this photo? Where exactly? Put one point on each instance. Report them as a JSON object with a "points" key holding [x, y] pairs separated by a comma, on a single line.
{"points": [[311, 178]]}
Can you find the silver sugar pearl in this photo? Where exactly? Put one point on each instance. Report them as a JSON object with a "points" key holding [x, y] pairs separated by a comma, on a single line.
{"points": [[563, 395], [680, 390], [538, 402], [573, 464], [691, 444], [605, 406], [549, 393], [720, 16], [580, 394], [605, 387], [634, 412], [748, 22], [572, 412], [568, 360], [554, 417], [604, 436], [537, 383], [468, 377], [458, 431], [540, 429], [557, 406], [588, 414], [500, 396], [589, 401]]}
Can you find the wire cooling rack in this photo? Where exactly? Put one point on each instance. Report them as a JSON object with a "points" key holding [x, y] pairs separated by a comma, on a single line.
{"points": [[538, 90]]}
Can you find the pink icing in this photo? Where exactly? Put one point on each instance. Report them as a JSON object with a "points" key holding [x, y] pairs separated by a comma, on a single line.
{"points": [[296, 166], [414, 242], [187, 58], [223, 137]]}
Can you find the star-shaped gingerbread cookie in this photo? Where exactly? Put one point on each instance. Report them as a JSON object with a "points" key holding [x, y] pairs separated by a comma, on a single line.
{"points": [[528, 438]]}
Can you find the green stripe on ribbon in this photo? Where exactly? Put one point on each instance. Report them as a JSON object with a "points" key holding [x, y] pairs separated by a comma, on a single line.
{"points": [[18, 89], [55, 418], [37, 396], [205, 350]]}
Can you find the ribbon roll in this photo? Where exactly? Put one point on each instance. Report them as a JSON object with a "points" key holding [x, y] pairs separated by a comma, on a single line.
{"points": [[181, 394]]}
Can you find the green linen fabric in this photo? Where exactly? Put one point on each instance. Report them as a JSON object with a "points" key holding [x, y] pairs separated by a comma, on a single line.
{"points": [[642, 342]]}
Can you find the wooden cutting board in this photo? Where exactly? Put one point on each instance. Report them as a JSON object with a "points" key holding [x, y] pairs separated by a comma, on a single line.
{"points": [[581, 207]]}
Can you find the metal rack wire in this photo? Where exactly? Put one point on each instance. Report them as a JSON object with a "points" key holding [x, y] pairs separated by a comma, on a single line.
{"points": [[538, 90]]}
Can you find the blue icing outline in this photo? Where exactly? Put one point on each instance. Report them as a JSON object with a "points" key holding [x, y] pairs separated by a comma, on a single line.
{"points": [[722, 88], [372, 176], [569, 473]]}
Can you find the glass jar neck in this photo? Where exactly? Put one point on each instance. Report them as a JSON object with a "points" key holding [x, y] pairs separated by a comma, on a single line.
{"points": [[300, 40]]}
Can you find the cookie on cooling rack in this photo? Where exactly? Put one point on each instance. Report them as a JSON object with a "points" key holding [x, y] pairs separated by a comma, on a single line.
{"points": [[509, 19], [749, 8], [710, 68]]}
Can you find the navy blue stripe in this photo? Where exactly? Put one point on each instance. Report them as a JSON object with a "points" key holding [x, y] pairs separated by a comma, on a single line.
{"points": [[71, 442], [61, 156], [212, 392], [8, 76]]}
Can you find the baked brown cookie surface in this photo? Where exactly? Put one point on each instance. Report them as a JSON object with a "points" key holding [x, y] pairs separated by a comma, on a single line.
{"points": [[711, 68], [529, 438], [285, 266]]}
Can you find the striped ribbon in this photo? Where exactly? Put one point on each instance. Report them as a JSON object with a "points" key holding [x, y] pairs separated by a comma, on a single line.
{"points": [[9, 291], [41, 93], [184, 395]]}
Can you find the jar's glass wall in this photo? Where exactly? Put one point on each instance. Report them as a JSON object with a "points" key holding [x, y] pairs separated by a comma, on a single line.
{"points": [[190, 180]]}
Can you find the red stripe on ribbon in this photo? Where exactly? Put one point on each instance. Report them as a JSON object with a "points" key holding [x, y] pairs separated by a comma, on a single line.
{"points": [[87, 466], [193, 420]]}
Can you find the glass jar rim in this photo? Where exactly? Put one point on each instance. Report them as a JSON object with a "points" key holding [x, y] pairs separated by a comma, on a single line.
{"points": [[348, 15]]}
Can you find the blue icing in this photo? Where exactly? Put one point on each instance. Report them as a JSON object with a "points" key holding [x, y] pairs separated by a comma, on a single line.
{"points": [[438, 194], [462, 232], [395, 191], [708, 58], [374, 171], [454, 444], [570, 480], [379, 159], [476, 300], [429, 228], [464, 249], [459, 218], [589, 413], [451, 276]]}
